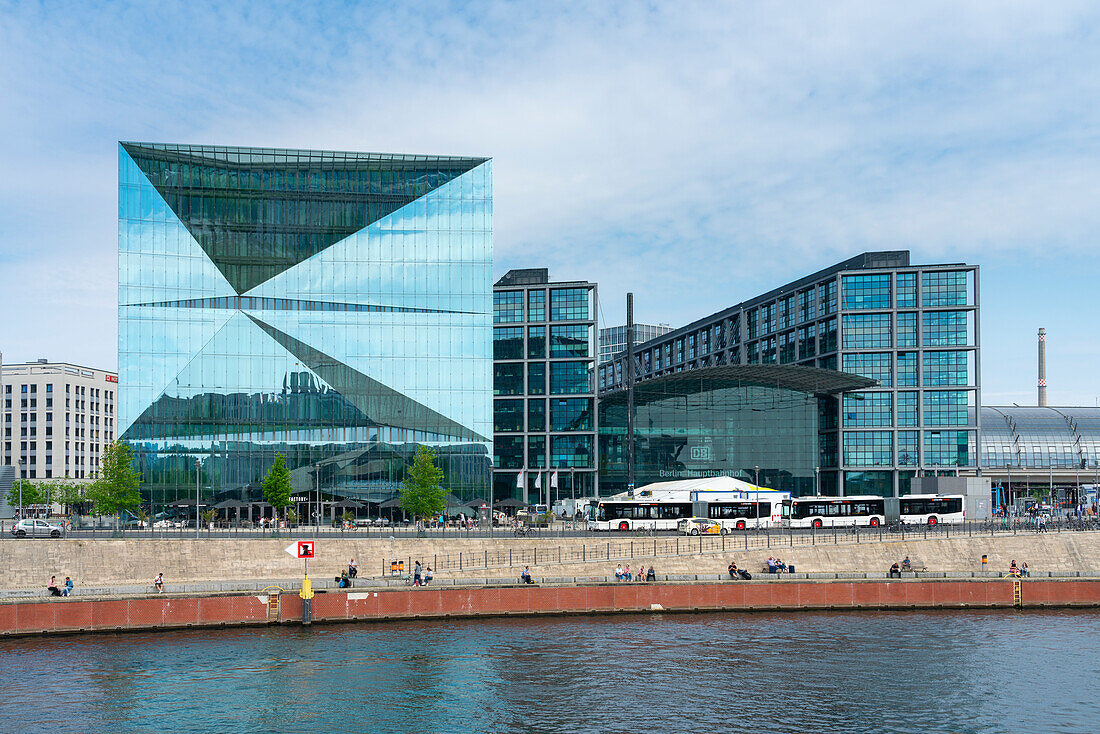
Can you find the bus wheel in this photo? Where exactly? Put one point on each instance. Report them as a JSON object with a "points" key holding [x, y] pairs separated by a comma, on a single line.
{"points": [[932, 520], [817, 523], [624, 525], [874, 522], [740, 524]]}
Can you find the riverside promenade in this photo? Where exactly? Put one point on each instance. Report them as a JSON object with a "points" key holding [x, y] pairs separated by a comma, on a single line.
{"points": [[254, 582]]}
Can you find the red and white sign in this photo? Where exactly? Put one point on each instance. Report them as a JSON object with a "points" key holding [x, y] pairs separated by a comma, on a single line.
{"points": [[111, 378], [301, 549]]}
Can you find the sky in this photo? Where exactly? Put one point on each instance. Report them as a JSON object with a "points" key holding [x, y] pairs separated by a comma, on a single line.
{"points": [[697, 154]]}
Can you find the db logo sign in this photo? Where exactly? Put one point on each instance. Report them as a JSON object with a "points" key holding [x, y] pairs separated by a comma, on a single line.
{"points": [[700, 453], [305, 549]]}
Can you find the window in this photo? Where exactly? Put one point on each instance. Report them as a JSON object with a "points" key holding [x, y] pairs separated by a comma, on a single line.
{"points": [[907, 448], [536, 342], [908, 414], [507, 415], [868, 448], [787, 348], [536, 305], [947, 448], [536, 415], [946, 368], [907, 369], [866, 291], [868, 409], [508, 379], [807, 341], [571, 451], [826, 295], [568, 378], [875, 365], [945, 289], [907, 290], [806, 305], [568, 304], [508, 452], [907, 329], [507, 307], [867, 331], [569, 341], [828, 336], [946, 328], [508, 343], [573, 414], [946, 407], [536, 378], [536, 453], [752, 321]]}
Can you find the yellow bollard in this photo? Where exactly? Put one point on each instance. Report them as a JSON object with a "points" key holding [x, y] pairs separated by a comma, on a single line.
{"points": [[307, 589]]}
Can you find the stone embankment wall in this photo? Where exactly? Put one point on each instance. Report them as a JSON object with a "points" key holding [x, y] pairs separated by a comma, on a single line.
{"points": [[174, 611], [29, 563]]}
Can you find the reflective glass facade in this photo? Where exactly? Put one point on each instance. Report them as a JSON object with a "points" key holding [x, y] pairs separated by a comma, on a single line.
{"points": [[719, 421], [552, 375], [912, 328], [334, 307]]}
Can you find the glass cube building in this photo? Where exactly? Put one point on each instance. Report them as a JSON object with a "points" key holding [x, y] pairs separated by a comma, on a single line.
{"points": [[332, 307], [914, 329]]}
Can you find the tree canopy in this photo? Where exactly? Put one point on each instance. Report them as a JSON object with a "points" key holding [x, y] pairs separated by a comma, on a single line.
{"points": [[32, 494], [422, 494], [277, 484], [116, 487]]}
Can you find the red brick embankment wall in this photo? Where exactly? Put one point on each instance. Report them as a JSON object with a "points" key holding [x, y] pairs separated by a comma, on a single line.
{"points": [[165, 612]]}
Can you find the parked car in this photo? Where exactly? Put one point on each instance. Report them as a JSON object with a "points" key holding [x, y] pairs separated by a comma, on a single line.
{"points": [[700, 526], [33, 528]]}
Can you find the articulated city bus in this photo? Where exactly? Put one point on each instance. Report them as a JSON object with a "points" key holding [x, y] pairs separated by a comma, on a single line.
{"points": [[933, 509], [742, 514], [870, 510], [633, 515]]}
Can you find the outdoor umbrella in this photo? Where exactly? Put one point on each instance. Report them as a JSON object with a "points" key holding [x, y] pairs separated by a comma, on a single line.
{"points": [[348, 504], [510, 504], [185, 503]]}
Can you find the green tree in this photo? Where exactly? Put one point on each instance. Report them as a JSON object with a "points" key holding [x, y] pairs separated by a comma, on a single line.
{"points": [[32, 494], [277, 485], [115, 489], [422, 494], [70, 494]]}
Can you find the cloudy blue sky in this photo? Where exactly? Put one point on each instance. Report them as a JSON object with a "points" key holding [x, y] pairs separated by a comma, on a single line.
{"points": [[696, 153]]}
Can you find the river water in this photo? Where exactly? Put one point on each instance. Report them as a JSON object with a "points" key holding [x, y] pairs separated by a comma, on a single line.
{"points": [[774, 672]]}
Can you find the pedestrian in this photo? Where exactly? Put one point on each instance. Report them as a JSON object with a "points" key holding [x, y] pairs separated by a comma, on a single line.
{"points": [[69, 586], [417, 573], [158, 583], [353, 570], [52, 587]]}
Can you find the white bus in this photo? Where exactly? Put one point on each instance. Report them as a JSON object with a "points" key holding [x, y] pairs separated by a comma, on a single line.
{"points": [[933, 509], [743, 514], [633, 515], [829, 512]]}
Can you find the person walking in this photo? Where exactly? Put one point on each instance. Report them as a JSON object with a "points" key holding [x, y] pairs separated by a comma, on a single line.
{"points": [[158, 583], [417, 573]]}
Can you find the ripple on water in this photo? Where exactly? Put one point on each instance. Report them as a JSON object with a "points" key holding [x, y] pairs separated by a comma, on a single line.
{"points": [[775, 672]]}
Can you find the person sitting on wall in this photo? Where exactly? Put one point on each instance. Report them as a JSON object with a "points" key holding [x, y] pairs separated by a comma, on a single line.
{"points": [[895, 571], [69, 586], [1012, 569], [345, 582], [650, 574], [52, 587], [906, 564], [771, 565], [732, 568], [353, 569], [780, 566], [619, 572], [428, 575], [525, 576], [1023, 569]]}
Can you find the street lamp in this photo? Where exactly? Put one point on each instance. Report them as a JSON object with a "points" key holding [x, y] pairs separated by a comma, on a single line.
{"points": [[20, 464], [197, 465], [817, 481]]}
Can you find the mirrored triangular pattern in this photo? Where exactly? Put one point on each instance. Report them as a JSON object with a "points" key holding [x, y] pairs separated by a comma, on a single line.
{"points": [[316, 304], [285, 205]]}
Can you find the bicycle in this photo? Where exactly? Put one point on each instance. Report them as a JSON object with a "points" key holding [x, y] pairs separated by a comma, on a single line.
{"points": [[522, 532]]}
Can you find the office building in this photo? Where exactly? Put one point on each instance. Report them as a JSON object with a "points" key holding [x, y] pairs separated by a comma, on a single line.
{"points": [[58, 418], [913, 329], [613, 339], [332, 307], [544, 394]]}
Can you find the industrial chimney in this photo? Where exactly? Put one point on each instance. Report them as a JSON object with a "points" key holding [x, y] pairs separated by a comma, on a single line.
{"points": [[1042, 367]]}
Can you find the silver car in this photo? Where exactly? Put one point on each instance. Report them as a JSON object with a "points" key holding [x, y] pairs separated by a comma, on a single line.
{"points": [[35, 528]]}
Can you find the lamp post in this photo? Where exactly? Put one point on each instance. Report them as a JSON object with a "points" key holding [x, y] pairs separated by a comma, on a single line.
{"points": [[198, 464], [20, 464], [817, 481]]}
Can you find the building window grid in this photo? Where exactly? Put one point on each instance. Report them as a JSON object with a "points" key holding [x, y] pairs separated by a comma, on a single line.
{"points": [[868, 409], [868, 448], [946, 407], [866, 291], [945, 288], [908, 408], [507, 307], [874, 365], [569, 304], [945, 329], [867, 331], [943, 369]]}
